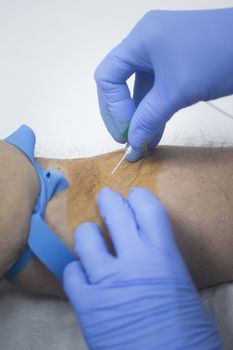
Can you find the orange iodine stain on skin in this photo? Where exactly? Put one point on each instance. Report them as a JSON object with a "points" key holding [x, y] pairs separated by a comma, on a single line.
{"points": [[140, 174], [84, 186], [88, 176], [69, 208]]}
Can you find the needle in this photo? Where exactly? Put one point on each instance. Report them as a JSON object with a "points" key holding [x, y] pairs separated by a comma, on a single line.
{"points": [[128, 151]]}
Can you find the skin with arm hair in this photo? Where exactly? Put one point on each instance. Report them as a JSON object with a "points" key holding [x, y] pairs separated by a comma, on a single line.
{"points": [[18, 193], [193, 183]]}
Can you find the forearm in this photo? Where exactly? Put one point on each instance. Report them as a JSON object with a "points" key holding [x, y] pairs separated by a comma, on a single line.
{"points": [[194, 184], [18, 192]]}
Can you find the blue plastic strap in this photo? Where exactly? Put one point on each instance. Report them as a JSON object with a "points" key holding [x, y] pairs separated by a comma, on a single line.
{"points": [[48, 247], [42, 241], [22, 261]]}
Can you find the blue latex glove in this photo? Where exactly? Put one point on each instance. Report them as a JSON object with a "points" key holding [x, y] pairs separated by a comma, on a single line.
{"points": [[179, 57], [144, 297]]}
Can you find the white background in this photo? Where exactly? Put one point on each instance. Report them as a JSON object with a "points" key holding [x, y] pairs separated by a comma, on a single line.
{"points": [[48, 52]]}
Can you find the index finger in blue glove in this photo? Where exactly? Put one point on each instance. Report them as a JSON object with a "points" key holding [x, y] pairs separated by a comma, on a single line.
{"points": [[108, 119], [74, 274], [116, 104], [92, 251], [119, 219], [74, 277], [76, 285]]}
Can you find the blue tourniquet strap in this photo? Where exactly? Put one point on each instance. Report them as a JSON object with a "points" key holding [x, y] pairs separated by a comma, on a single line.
{"points": [[23, 259], [48, 247], [42, 241]]}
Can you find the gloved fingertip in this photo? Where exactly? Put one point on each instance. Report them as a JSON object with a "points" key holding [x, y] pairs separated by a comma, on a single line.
{"points": [[141, 194], [116, 135], [69, 269], [82, 230], [108, 201], [108, 119], [72, 275], [104, 196], [135, 155], [111, 126], [104, 192], [138, 139], [152, 144]]}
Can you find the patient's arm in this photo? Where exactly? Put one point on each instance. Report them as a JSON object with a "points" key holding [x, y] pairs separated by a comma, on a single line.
{"points": [[195, 185], [18, 192]]}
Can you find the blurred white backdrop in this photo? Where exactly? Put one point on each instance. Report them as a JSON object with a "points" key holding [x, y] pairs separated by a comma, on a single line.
{"points": [[49, 50]]}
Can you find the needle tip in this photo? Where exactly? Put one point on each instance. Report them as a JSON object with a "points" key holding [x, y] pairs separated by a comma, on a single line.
{"points": [[128, 150]]}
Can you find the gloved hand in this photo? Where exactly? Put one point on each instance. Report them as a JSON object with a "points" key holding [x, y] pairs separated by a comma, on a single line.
{"points": [[142, 298], [179, 57]]}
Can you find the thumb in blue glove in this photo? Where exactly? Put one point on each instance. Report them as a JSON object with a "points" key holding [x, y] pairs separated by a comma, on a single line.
{"points": [[142, 298], [179, 58]]}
